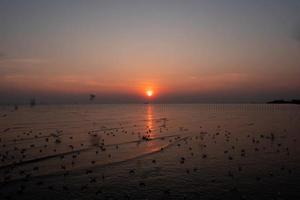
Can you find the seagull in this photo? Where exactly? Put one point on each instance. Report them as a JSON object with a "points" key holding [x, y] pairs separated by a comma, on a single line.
{"points": [[92, 97]]}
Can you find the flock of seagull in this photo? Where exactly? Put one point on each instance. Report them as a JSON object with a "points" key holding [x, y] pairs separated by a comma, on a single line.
{"points": [[30, 159]]}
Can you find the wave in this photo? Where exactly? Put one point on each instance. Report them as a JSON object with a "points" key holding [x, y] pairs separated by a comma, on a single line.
{"points": [[80, 170], [17, 164]]}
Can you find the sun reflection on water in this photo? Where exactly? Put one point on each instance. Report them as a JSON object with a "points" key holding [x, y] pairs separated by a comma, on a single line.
{"points": [[150, 119]]}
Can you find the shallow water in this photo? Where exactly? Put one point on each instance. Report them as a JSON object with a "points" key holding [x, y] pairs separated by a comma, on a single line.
{"points": [[152, 151]]}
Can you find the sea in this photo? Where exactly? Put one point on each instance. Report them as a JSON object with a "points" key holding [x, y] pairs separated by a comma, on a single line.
{"points": [[150, 151]]}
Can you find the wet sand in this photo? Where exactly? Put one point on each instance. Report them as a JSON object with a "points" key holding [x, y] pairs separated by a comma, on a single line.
{"points": [[192, 151]]}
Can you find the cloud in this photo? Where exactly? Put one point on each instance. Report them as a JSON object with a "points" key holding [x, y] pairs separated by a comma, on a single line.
{"points": [[298, 37], [2, 56], [297, 34], [22, 60], [29, 60]]}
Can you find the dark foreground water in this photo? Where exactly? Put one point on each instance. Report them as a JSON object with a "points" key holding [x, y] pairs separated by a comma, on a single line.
{"points": [[150, 152]]}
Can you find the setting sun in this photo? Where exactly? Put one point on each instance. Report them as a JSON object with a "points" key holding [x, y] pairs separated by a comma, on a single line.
{"points": [[149, 93]]}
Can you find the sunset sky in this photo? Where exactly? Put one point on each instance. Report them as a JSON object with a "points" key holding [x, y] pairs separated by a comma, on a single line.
{"points": [[182, 50]]}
